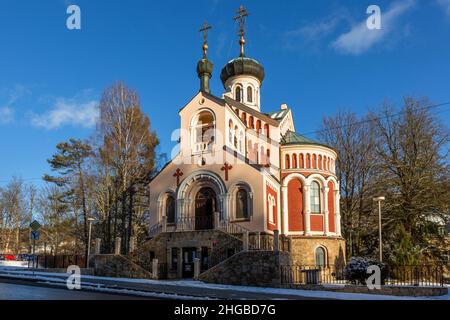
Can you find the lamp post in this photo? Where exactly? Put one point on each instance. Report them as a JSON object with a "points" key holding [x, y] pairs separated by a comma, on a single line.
{"points": [[90, 220], [379, 199]]}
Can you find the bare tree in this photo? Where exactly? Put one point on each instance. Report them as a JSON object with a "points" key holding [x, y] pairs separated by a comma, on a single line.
{"points": [[127, 156], [353, 140]]}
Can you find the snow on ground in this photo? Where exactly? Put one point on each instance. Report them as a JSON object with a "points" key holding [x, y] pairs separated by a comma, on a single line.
{"points": [[16, 264], [198, 284]]}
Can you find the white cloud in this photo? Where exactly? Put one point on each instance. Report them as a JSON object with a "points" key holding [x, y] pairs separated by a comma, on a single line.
{"points": [[6, 115], [445, 4], [312, 34], [316, 30], [68, 112], [360, 39]]}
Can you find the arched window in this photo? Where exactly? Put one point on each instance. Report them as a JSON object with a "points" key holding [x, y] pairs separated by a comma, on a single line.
{"points": [[301, 161], [320, 257], [236, 137], [170, 209], [287, 162], [230, 131], [203, 130], [249, 94], [319, 161], [266, 130], [308, 161], [242, 204], [314, 161], [315, 197], [238, 94], [244, 118], [294, 161], [251, 122], [258, 126]]}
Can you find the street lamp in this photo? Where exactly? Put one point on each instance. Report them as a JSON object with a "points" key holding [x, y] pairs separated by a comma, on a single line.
{"points": [[379, 199], [90, 220]]}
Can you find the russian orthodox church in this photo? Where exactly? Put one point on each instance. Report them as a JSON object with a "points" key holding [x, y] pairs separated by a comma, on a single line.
{"points": [[243, 170]]}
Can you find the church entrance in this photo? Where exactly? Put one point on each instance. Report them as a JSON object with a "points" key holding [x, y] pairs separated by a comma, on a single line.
{"points": [[205, 206]]}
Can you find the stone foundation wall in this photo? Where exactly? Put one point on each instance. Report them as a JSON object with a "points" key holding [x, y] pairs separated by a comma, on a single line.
{"points": [[303, 250], [249, 268], [109, 265], [405, 291], [162, 244]]}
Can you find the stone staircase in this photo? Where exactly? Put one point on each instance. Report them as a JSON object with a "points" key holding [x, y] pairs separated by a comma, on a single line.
{"points": [[228, 238]]}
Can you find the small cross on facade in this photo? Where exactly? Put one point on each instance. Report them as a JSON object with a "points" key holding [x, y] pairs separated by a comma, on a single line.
{"points": [[226, 167], [178, 174]]}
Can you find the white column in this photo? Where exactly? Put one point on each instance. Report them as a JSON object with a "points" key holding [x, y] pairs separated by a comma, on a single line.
{"points": [[155, 271], [326, 211], [226, 206], [180, 214], [307, 202], [285, 214], [337, 210]]}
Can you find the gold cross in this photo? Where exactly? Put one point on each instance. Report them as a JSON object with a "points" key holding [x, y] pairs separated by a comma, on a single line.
{"points": [[242, 13]]}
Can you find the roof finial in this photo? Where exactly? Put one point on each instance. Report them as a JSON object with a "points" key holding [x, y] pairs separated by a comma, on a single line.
{"points": [[242, 13], [205, 29]]}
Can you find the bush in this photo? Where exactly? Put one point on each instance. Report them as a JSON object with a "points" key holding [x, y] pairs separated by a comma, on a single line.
{"points": [[356, 270]]}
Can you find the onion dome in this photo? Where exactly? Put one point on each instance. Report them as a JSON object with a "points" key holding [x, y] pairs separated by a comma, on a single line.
{"points": [[242, 66], [204, 66]]}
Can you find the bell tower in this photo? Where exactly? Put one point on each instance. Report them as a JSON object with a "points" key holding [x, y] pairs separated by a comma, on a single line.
{"points": [[242, 77]]}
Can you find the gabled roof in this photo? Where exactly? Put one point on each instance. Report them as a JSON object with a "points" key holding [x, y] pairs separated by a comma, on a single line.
{"points": [[231, 102], [264, 117], [279, 115], [293, 138]]}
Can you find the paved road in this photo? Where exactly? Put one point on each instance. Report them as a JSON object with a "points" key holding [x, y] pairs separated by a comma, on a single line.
{"points": [[187, 291], [26, 291]]}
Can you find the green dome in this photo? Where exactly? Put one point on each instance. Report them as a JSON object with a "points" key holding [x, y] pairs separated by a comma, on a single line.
{"points": [[204, 66], [242, 66]]}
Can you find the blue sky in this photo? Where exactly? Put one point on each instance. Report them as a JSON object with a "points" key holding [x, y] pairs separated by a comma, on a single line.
{"points": [[318, 57]]}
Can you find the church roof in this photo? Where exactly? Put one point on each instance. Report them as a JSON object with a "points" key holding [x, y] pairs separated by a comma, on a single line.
{"points": [[242, 66], [293, 138], [279, 115], [264, 117]]}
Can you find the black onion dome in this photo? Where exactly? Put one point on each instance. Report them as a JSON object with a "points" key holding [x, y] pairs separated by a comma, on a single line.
{"points": [[242, 66], [204, 66]]}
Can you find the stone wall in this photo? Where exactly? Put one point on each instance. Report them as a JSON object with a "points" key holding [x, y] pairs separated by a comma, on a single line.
{"points": [[249, 268], [303, 250], [161, 245], [109, 265], [404, 291]]}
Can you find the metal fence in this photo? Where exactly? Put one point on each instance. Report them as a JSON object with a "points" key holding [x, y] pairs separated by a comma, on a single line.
{"points": [[426, 275], [58, 261]]}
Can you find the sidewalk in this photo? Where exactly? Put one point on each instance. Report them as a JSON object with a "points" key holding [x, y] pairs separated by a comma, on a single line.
{"points": [[188, 289]]}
